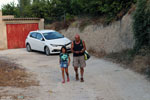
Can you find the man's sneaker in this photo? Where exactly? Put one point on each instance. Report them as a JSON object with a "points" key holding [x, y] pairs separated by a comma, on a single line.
{"points": [[77, 77], [82, 80]]}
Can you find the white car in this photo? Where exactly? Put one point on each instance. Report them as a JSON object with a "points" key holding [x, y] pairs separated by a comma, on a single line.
{"points": [[48, 41]]}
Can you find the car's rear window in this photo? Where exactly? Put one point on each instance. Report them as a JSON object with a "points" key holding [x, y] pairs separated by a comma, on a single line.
{"points": [[52, 35]]}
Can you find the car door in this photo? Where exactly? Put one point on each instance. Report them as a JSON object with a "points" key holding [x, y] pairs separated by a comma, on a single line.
{"points": [[32, 40], [39, 43]]}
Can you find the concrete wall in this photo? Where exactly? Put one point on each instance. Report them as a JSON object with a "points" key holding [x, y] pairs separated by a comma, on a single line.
{"points": [[3, 38], [41, 24], [0, 28], [112, 38], [8, 16]]}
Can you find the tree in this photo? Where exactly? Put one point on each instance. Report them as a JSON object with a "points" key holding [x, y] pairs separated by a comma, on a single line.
{"points": [[10, 9], [57, 10], [22, 6], [38, 9], [36, 1], [141, 24]]}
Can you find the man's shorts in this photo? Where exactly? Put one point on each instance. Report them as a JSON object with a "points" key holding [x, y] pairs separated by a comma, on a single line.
{"points": [[79, 61]]}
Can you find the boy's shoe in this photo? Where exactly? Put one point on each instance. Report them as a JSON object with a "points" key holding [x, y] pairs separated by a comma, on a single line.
{"points": [[68, 79], [82, 80], [77, 77], [63, 81]]}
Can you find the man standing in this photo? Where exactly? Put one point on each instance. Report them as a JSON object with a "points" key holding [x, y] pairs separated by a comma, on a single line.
{"points": [[78, 48]]}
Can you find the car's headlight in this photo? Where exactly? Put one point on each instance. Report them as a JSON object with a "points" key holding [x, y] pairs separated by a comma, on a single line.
{"points": [[53, 45], [68, 44]]}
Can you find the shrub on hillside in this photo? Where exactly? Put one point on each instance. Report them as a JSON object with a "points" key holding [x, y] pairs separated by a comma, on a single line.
{"points": [[141, 24]]}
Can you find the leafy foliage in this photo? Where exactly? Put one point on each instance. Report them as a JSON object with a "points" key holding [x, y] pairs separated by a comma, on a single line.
{"points": [[141, 24], [10, 9], [55, 10]]}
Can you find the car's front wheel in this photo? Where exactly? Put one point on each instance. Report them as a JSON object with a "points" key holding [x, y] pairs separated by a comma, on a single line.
{"points": [[28, 47], [47, 51]]}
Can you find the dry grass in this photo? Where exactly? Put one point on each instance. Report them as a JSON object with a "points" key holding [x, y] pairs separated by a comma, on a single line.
{"points": [[139, 63], [124, 57], [84, 23], [81, 23], [97, 54], [132, 9], [12, 75], [59, 25]]}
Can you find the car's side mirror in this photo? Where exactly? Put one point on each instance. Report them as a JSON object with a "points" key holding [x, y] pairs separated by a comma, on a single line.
{"points": [[42, 39]]}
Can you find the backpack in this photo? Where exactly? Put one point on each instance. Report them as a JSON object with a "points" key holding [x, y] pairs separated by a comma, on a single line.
{"points": [[86, 55]]}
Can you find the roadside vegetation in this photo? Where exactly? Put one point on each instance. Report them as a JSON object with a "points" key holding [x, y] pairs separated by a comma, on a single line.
{"points": [[139, 62], [138, 59]]}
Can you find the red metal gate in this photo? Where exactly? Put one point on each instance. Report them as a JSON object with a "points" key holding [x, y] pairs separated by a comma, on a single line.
{"points": [[17, 33]]}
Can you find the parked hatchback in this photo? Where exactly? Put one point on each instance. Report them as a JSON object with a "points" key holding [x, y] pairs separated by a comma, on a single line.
{"points": [[48, 41]]}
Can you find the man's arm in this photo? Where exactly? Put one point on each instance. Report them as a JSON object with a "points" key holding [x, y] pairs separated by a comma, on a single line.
{"points": [[84, 47], [72, 46]]}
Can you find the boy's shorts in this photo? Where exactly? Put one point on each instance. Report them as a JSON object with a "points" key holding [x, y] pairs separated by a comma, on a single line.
{"points": [[79, 61], [64, 64]]}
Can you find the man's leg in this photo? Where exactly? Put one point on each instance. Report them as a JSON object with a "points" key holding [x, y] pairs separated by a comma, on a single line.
{"points": [[82, 72], [76, 72], [75, 64], [82, 65]]}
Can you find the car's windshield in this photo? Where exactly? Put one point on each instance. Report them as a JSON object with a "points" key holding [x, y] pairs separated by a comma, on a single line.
{"points": [[52, 35]]}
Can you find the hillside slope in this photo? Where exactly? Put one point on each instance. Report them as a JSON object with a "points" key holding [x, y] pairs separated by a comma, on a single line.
{"points": [[104, 39]]}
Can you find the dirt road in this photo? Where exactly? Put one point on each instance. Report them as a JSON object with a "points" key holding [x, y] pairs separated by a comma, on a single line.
{"points": [[103, 80]]}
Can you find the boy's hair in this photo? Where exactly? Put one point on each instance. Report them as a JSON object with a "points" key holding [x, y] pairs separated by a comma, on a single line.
{"points": [[64, 48]]}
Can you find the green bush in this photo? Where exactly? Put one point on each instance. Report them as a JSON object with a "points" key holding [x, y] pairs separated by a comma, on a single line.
{"points": [[141, 24]]}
